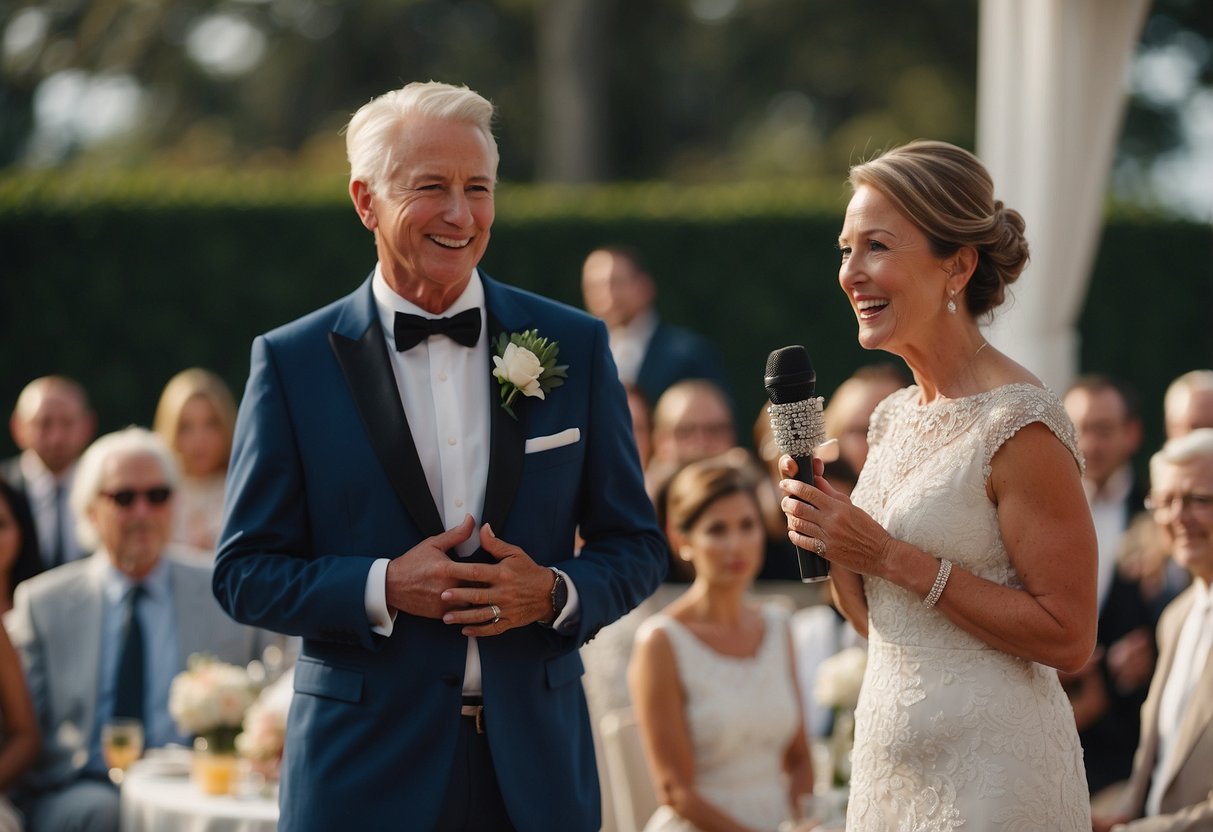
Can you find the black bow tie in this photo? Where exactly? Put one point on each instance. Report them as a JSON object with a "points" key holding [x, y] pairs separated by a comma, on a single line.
{"points": [[411, 330]]}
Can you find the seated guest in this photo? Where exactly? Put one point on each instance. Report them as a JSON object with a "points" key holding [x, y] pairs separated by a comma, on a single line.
{"points": [[19, 557], [52, 424], [1107, 693], [642, 422], [196, 417], [18, 730], [692, 420], [848, 412], [103, 637], [1188, 403], [712, 675], [1171, 787]]}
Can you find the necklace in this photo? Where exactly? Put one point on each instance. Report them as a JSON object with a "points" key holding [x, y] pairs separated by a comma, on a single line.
{"points": [[967, 365]]}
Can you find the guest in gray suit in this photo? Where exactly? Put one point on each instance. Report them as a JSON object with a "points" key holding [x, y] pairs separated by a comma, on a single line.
{"points": [[103, 637]]}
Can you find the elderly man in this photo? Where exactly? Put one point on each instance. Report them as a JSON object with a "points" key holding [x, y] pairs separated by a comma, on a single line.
{"points": [[51, 424], [1171, 787], [412, 515], [617, 287], [103, 637]]}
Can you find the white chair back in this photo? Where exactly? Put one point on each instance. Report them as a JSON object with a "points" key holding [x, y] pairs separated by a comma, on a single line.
{"points": [[632, 792]]}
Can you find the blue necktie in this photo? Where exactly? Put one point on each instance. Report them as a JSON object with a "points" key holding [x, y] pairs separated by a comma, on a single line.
{"points": [[128, 687]]}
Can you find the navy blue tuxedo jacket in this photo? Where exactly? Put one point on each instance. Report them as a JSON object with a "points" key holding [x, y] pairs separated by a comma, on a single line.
{"points": [[325, 478]]}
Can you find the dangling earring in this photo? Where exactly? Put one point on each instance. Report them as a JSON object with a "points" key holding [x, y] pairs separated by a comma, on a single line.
{"points": [[951, 304]]}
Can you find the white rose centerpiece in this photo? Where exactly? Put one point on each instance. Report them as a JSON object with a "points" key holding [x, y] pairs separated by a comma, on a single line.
{"points": [[525, 363], [839, 679], [209, 700]]}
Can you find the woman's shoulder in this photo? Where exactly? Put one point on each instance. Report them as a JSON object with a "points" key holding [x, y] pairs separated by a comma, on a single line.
{"points": [[1014, 406]]}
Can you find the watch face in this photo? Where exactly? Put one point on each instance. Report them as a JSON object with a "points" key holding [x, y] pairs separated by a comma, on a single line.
{"points": [[560, 594]]}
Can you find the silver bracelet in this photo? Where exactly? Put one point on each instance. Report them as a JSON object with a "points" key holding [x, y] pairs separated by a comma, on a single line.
{"points": [[941, 580]]}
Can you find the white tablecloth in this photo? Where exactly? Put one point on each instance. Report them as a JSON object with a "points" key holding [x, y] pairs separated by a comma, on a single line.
{"points": [[155, 802]]}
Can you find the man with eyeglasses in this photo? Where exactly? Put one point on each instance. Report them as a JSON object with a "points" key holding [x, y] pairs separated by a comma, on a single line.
{"points": [[1171, 787], [1108, 693], [102, 638]]}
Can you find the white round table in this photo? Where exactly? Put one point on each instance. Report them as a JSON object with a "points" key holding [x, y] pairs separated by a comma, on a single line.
{"points": [[155, 801]]}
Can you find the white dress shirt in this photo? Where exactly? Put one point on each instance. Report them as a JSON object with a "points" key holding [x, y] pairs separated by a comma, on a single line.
{"points": [[1111, 517], [1191, 653], [630, 342], [448, 407], [162, 659]]}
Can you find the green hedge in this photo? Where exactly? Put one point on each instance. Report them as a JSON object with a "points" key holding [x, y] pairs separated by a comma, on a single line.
{"points": [[121, 282]]}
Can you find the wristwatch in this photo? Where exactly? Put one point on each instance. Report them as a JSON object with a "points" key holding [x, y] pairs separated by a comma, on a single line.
{"points": [[560, 594]]}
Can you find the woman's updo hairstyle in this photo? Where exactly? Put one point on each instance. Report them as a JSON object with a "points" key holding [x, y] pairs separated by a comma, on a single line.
{"points": [[949, 195]]}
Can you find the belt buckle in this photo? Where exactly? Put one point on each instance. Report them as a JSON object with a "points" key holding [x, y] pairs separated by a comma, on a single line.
{"points": [[477, 712]]}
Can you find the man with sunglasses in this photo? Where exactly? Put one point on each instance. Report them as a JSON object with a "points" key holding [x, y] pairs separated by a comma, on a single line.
{"points": [[1171, 787], [103, 637]]}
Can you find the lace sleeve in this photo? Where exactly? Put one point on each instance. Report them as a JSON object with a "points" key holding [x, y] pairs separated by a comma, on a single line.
{"points": [[1019, 405]]}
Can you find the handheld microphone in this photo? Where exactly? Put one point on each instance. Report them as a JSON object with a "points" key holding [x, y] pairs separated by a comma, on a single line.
{"points": [[797, 424]]}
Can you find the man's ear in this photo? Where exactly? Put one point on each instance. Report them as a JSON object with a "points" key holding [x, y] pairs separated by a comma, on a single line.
{"points": [[363, 198]]}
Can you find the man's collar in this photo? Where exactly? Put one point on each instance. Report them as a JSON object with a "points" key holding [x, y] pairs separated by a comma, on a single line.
{"points": [[640, 328], [117, 583], [35, 470], [1115, 490], [388, 303]]}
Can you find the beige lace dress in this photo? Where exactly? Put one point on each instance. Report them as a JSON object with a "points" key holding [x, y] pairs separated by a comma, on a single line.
{"points": [[950, 732]]}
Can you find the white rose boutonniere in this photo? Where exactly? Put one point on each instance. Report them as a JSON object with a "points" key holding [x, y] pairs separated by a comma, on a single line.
{"points": [[525, 363]]}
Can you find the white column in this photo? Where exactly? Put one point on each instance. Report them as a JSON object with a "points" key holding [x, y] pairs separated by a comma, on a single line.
{"points": [[1051, 94]]}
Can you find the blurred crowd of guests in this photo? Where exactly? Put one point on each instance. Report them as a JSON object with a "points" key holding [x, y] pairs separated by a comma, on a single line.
{"points": [[105, 557], [717, 668]]}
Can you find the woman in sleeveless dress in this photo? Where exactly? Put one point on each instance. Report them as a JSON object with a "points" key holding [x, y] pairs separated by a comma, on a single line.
{"points": [[712, 676], [966, 552]]}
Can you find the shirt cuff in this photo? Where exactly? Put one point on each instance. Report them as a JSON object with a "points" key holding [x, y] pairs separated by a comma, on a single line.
{"points": [[571, 614], [382, 620]]}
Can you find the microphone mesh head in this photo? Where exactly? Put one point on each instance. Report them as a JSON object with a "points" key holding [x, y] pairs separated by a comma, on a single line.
{"points": [[789, 376], [798, 426]]}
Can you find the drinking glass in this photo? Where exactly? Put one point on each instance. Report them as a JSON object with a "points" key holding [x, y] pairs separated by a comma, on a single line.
{"points": [[121, 745]]}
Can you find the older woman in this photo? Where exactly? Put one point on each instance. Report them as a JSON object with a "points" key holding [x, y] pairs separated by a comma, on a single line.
{"points": [[966, 552], [712, 676]]}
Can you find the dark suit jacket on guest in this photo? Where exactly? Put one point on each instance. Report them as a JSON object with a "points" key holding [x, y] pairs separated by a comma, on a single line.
{"points": [[325, 478], [675, 354], [1187, 801]]}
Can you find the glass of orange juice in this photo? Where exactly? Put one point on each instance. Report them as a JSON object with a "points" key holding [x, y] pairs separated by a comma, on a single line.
{"points": [[121, 745]]}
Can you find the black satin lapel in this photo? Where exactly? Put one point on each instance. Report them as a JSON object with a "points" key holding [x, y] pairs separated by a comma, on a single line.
{"points": [[368, 372], [507, 445]]}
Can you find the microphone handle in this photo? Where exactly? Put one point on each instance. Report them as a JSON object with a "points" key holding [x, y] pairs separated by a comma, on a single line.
{"points": [[813, 567]]}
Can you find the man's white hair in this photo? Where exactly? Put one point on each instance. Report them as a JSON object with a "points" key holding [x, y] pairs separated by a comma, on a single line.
{"points": [[1183, 449], [373, 132], [86, 487]]}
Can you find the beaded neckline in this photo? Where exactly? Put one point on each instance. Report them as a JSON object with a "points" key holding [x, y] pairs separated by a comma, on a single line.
{"points": [[943, 401]]}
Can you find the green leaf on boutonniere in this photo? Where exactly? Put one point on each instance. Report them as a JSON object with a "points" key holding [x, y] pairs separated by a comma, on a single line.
{"points": [[523, 362]]}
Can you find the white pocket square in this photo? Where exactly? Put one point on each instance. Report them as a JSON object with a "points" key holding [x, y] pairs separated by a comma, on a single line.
{"points": [[555, 440]]}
